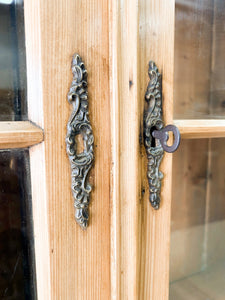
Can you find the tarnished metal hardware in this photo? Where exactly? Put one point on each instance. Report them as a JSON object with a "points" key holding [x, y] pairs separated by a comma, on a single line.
{"points": [[155, 135], [163, 136], [79, 124]]}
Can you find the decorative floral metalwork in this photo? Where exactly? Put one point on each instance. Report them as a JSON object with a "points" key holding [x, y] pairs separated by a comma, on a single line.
{"points": [[79, 123], [153, 121]]}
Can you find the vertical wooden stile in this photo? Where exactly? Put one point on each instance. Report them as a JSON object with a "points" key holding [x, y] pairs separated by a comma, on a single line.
{"points": [[125, 148], [71, 263], [156, 38]]}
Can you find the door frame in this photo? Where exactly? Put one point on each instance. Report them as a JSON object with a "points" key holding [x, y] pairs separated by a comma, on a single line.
{"points": [[139, 236]]}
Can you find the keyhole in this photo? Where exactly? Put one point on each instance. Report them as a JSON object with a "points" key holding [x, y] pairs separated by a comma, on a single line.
{"points": [[153, 142], [79, 140]]}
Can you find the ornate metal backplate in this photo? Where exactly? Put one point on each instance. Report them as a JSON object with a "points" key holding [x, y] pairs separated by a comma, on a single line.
{"points": [[79, 124], [153, 121], [155, 135]]}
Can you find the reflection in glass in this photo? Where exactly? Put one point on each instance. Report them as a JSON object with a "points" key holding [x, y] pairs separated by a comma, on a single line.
{"points": [[199, 55], [17, 272], [197, 260], [12, 62]]}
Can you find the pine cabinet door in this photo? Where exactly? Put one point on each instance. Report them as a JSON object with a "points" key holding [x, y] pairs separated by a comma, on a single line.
{"points": [[129, 250], [70, 263], [124, 253]]}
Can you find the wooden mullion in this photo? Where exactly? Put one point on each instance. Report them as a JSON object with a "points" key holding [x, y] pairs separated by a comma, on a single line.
{"points": [[32, 18], [19, 134], [156, 36], [125, 120], [195, 129]]}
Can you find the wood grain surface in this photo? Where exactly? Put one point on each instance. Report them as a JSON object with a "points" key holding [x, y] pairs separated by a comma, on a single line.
{"points": [[76, 262], [200, 129], [19, 134], [124, 254], [156, 40], [125, 152]]}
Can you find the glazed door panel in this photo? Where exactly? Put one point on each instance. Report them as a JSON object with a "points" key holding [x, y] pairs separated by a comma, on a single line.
{"points": [[197, 219], [124, 253]]}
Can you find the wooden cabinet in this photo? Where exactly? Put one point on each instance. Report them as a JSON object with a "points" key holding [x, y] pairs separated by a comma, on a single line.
{"points": [[126, 253]]}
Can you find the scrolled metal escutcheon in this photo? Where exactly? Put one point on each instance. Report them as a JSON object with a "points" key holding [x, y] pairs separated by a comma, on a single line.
{"points": [[79, 124], [155, 135]]}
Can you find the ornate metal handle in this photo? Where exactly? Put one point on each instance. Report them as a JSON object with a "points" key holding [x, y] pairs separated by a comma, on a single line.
{"points": [[155, 135], [79, 124]]}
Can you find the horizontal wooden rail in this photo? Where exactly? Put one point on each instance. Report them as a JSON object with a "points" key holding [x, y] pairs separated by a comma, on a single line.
{"points": [[23, 134], [19, 134], [196, 129]]}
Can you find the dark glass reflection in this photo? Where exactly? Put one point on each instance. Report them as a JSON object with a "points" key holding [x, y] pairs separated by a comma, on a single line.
{"points": [[17, 273], [12, 62]]}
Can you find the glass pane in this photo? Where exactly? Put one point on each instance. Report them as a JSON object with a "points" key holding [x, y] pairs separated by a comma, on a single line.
{"points": [[12, 62], [17, 271], [197, 259], [199, 89]]}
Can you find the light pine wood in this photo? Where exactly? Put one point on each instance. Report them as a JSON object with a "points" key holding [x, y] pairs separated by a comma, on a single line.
{"points": [[76, 263], [38, 164], [19, 134], [195, 129], [115, 270], [124, 254], [156, 39], [125, 112]]}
